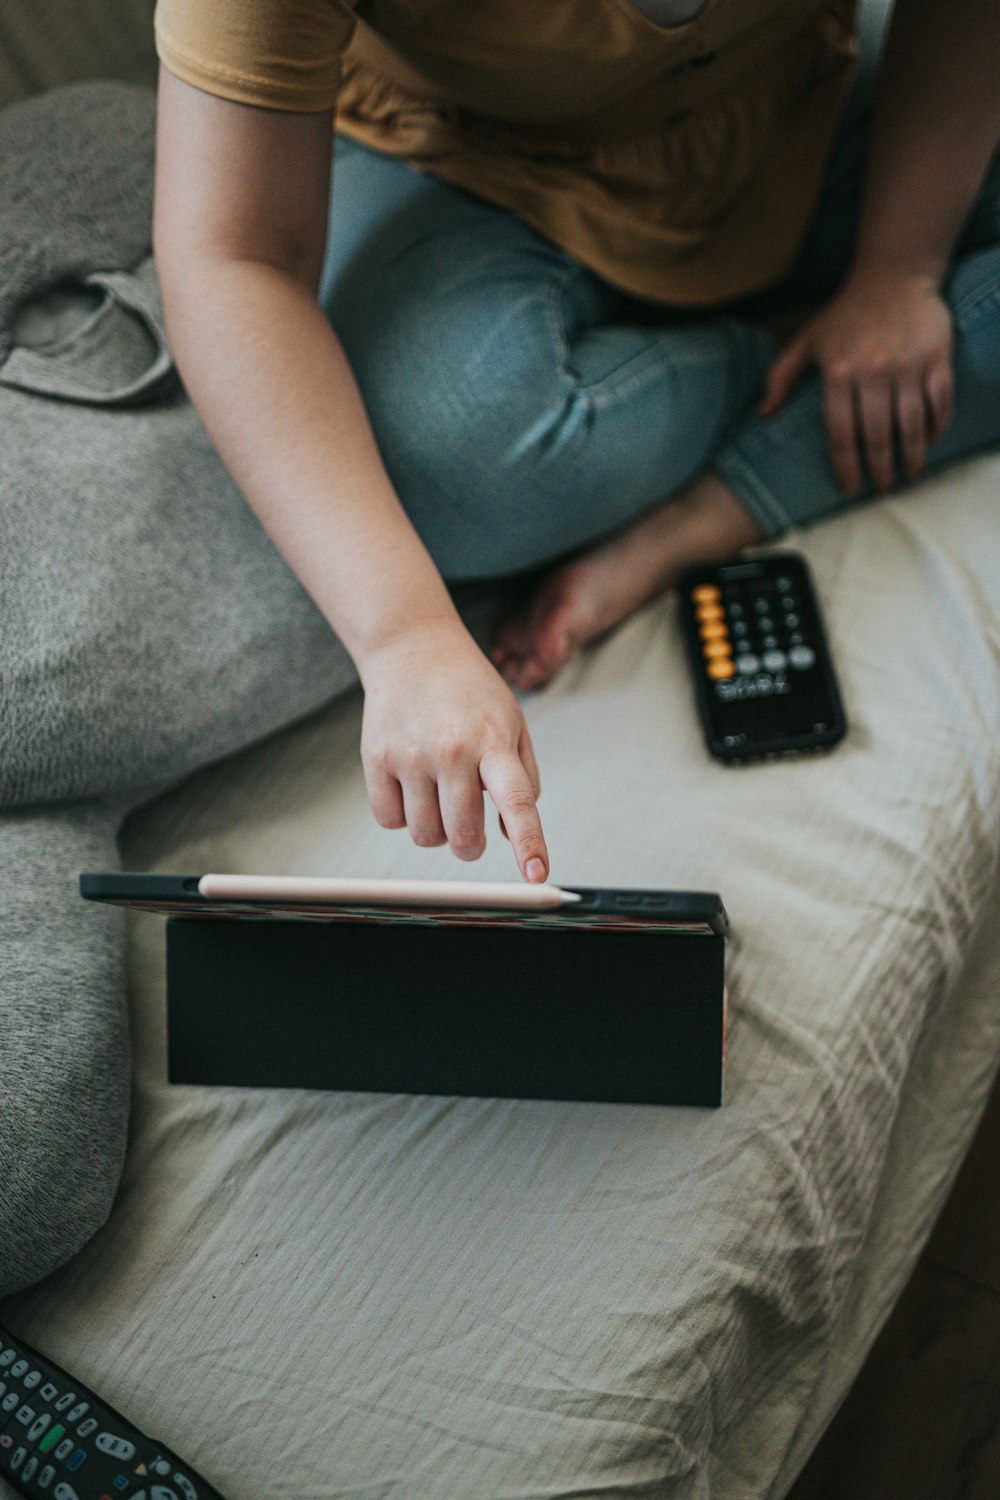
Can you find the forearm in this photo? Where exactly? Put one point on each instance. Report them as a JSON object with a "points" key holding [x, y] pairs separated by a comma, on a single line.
{"points": [[278, 399], [936, 125]]}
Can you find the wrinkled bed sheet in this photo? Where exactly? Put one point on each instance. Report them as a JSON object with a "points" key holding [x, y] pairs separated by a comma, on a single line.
{"points": [[333, 1295]]}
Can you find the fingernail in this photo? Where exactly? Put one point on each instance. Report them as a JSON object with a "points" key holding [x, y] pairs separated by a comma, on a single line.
{"points": [[535, 870]]}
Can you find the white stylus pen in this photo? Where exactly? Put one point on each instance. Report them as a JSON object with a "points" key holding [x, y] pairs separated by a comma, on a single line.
{"points": [[320, 890]]}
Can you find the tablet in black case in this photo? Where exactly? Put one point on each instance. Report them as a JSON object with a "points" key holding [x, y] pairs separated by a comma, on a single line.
{"points": [[619, 998]]}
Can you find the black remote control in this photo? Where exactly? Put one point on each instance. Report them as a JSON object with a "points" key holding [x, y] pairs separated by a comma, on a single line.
{"points": [[60, 1441]]}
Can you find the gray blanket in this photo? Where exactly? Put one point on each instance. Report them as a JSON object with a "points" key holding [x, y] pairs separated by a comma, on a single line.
{"points": [[147, 626]]}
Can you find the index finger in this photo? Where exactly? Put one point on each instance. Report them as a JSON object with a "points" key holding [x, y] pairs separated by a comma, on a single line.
{"points": [[509, 786]]}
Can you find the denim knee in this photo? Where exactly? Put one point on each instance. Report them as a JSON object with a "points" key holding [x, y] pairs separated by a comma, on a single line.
{"points": [[470, 414], [512, 442]]}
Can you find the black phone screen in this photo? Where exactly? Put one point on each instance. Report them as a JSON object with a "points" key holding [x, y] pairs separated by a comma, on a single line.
{"points": [[759, 657]]}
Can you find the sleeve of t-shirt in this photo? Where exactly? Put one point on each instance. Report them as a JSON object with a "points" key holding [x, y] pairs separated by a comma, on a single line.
{"points": [[282, 54]]}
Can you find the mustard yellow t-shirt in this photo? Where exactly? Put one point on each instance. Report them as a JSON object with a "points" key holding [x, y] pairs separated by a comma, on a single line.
{"points": [[681, 162]]}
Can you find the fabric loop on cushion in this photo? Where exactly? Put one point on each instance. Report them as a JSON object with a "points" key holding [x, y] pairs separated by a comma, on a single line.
{"points": [[95, 363], [76, 183]]}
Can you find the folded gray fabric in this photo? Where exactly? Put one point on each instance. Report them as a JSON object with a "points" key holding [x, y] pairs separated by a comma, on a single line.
{"points": [[64, 1067], [76, 187], [147, 625]]}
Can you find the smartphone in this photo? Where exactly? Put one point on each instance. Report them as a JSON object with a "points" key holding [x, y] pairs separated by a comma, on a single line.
{"points": [[763, 676]]}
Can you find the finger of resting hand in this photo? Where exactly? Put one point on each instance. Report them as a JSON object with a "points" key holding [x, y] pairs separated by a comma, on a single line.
{"points": [[509, 785], [423, 814], [875, 401], [911, 423], [939, 385], [385, 796], [460, 798], [841, 431], [786, 371]]}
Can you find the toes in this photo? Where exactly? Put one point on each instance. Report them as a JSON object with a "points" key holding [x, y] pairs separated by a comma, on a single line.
{"points": [[532, 645], [553, 646], [512, 640]]}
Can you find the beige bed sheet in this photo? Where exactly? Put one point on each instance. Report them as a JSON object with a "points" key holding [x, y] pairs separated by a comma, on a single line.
{"points": [[370, 1296]]}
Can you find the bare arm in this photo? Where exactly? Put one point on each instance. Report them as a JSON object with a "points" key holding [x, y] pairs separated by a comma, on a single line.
{"points": [[936, 125], [884, 343], [239, 233]]}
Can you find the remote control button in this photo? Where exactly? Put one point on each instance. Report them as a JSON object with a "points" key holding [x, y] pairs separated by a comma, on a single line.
{"points": [[160, 1492], [80, 1410], [185, 1486], [109, 1442], [775, 661], [160, 1465], [48, 1392], [735, 608], [64, 1450], [66, 1400], [42, 1425], [802, 657], [46, 1477], [17, 1458], [86, 1428], [787, 602], [766, 624], [796, 638], [705, 593], [707, 612], [3, 1387], [717, 648], [19, 1369], [719, 669], [761, 606], [739, 627], [6, 1440], [26, 1416], [7, 1358], [792, 620], [748, 662], [78, 1458], [64, 1491], [9, 1402], [28, 1472], [51, 1438], [713, 630], [769, 642], [32, 1379], [784, 585]]}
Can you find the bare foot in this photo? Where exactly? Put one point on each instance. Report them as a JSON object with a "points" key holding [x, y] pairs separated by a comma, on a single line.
{"points": [[584, 599]]}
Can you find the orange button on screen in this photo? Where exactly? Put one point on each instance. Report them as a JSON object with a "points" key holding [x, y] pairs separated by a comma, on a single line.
{"points": [[720, 668]]}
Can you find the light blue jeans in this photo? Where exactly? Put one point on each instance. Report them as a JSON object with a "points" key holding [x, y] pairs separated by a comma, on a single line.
{"points": [[525, 408]]}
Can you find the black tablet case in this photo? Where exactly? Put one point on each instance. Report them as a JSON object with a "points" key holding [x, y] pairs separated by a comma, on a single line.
{"points": [[536, 1013]]}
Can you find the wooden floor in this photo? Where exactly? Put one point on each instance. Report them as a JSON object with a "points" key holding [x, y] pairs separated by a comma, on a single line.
{"points": [[922, 1421]]}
